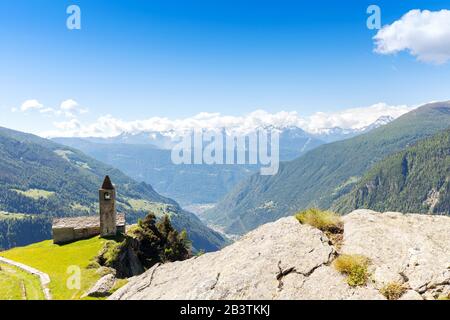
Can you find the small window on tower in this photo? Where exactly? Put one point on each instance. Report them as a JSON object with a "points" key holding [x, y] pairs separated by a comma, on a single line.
{"points": [[107, 196]]}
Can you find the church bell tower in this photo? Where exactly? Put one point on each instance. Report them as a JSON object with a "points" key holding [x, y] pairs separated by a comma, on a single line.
{"points": [[108, 215]]}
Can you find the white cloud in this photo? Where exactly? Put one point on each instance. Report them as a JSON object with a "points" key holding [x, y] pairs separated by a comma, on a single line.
{"points": [[355, 118], [424, 34], [69, 105], [47, 110], [30, 105], [68, 108], [72, 124], [108, 126]]}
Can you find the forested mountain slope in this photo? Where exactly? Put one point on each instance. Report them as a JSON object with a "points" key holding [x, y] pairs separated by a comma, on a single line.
{"points": [[324, 174], [414, 180]]}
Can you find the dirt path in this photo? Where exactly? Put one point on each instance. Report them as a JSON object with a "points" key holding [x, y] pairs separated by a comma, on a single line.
{"points": [[43, 277]]}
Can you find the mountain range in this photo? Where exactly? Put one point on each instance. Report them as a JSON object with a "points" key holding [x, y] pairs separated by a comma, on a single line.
{"points": [[45, 179], [146, 156], [324, 174], [41, 178], [337, 133], [144, 162]]}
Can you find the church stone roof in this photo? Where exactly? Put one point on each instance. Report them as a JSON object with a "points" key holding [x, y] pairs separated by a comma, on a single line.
{"points": [[83, 222]]}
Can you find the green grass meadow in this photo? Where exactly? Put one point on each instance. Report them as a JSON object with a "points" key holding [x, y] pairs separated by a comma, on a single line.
{"points": [[59, 262], [16, 284]]}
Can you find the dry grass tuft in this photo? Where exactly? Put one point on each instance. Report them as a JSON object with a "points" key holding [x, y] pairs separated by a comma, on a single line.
{"points": [[393, 290], [327, 221], [322, 220], [355, 267]]}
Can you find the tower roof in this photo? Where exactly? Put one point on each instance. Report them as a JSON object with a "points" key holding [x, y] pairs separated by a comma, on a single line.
{"points": [[107, 185]]}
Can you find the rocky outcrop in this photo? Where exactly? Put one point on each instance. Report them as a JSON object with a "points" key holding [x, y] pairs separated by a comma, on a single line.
{"points": [[412, 249], [288, 260], [127, 263], [102, 287]]}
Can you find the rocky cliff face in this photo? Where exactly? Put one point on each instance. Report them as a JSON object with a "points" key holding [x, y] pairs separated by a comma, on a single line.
{"points": [[287, 260]]}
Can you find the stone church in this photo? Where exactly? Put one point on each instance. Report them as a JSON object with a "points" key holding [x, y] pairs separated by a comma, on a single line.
{"points": [[109, 223]]}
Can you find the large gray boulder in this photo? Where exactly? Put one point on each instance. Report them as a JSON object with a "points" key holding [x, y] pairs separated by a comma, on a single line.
{"points": [[287, 260], [413, 249], [102, 287]]}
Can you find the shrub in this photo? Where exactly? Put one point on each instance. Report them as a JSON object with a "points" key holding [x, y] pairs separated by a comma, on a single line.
{"points": [[175, 245], [323, 220], [355, 267], [160, 242], [393, 290], [148, 243]]}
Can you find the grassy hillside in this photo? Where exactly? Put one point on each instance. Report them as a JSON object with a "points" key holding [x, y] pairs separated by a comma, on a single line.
{"points": [[43, 178], [414, 180], [324, 174], [40, 176], [16, 284], [55, 260]]}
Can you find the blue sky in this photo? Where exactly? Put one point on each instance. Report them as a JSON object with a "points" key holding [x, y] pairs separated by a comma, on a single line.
{"points": [[137, 59]]}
